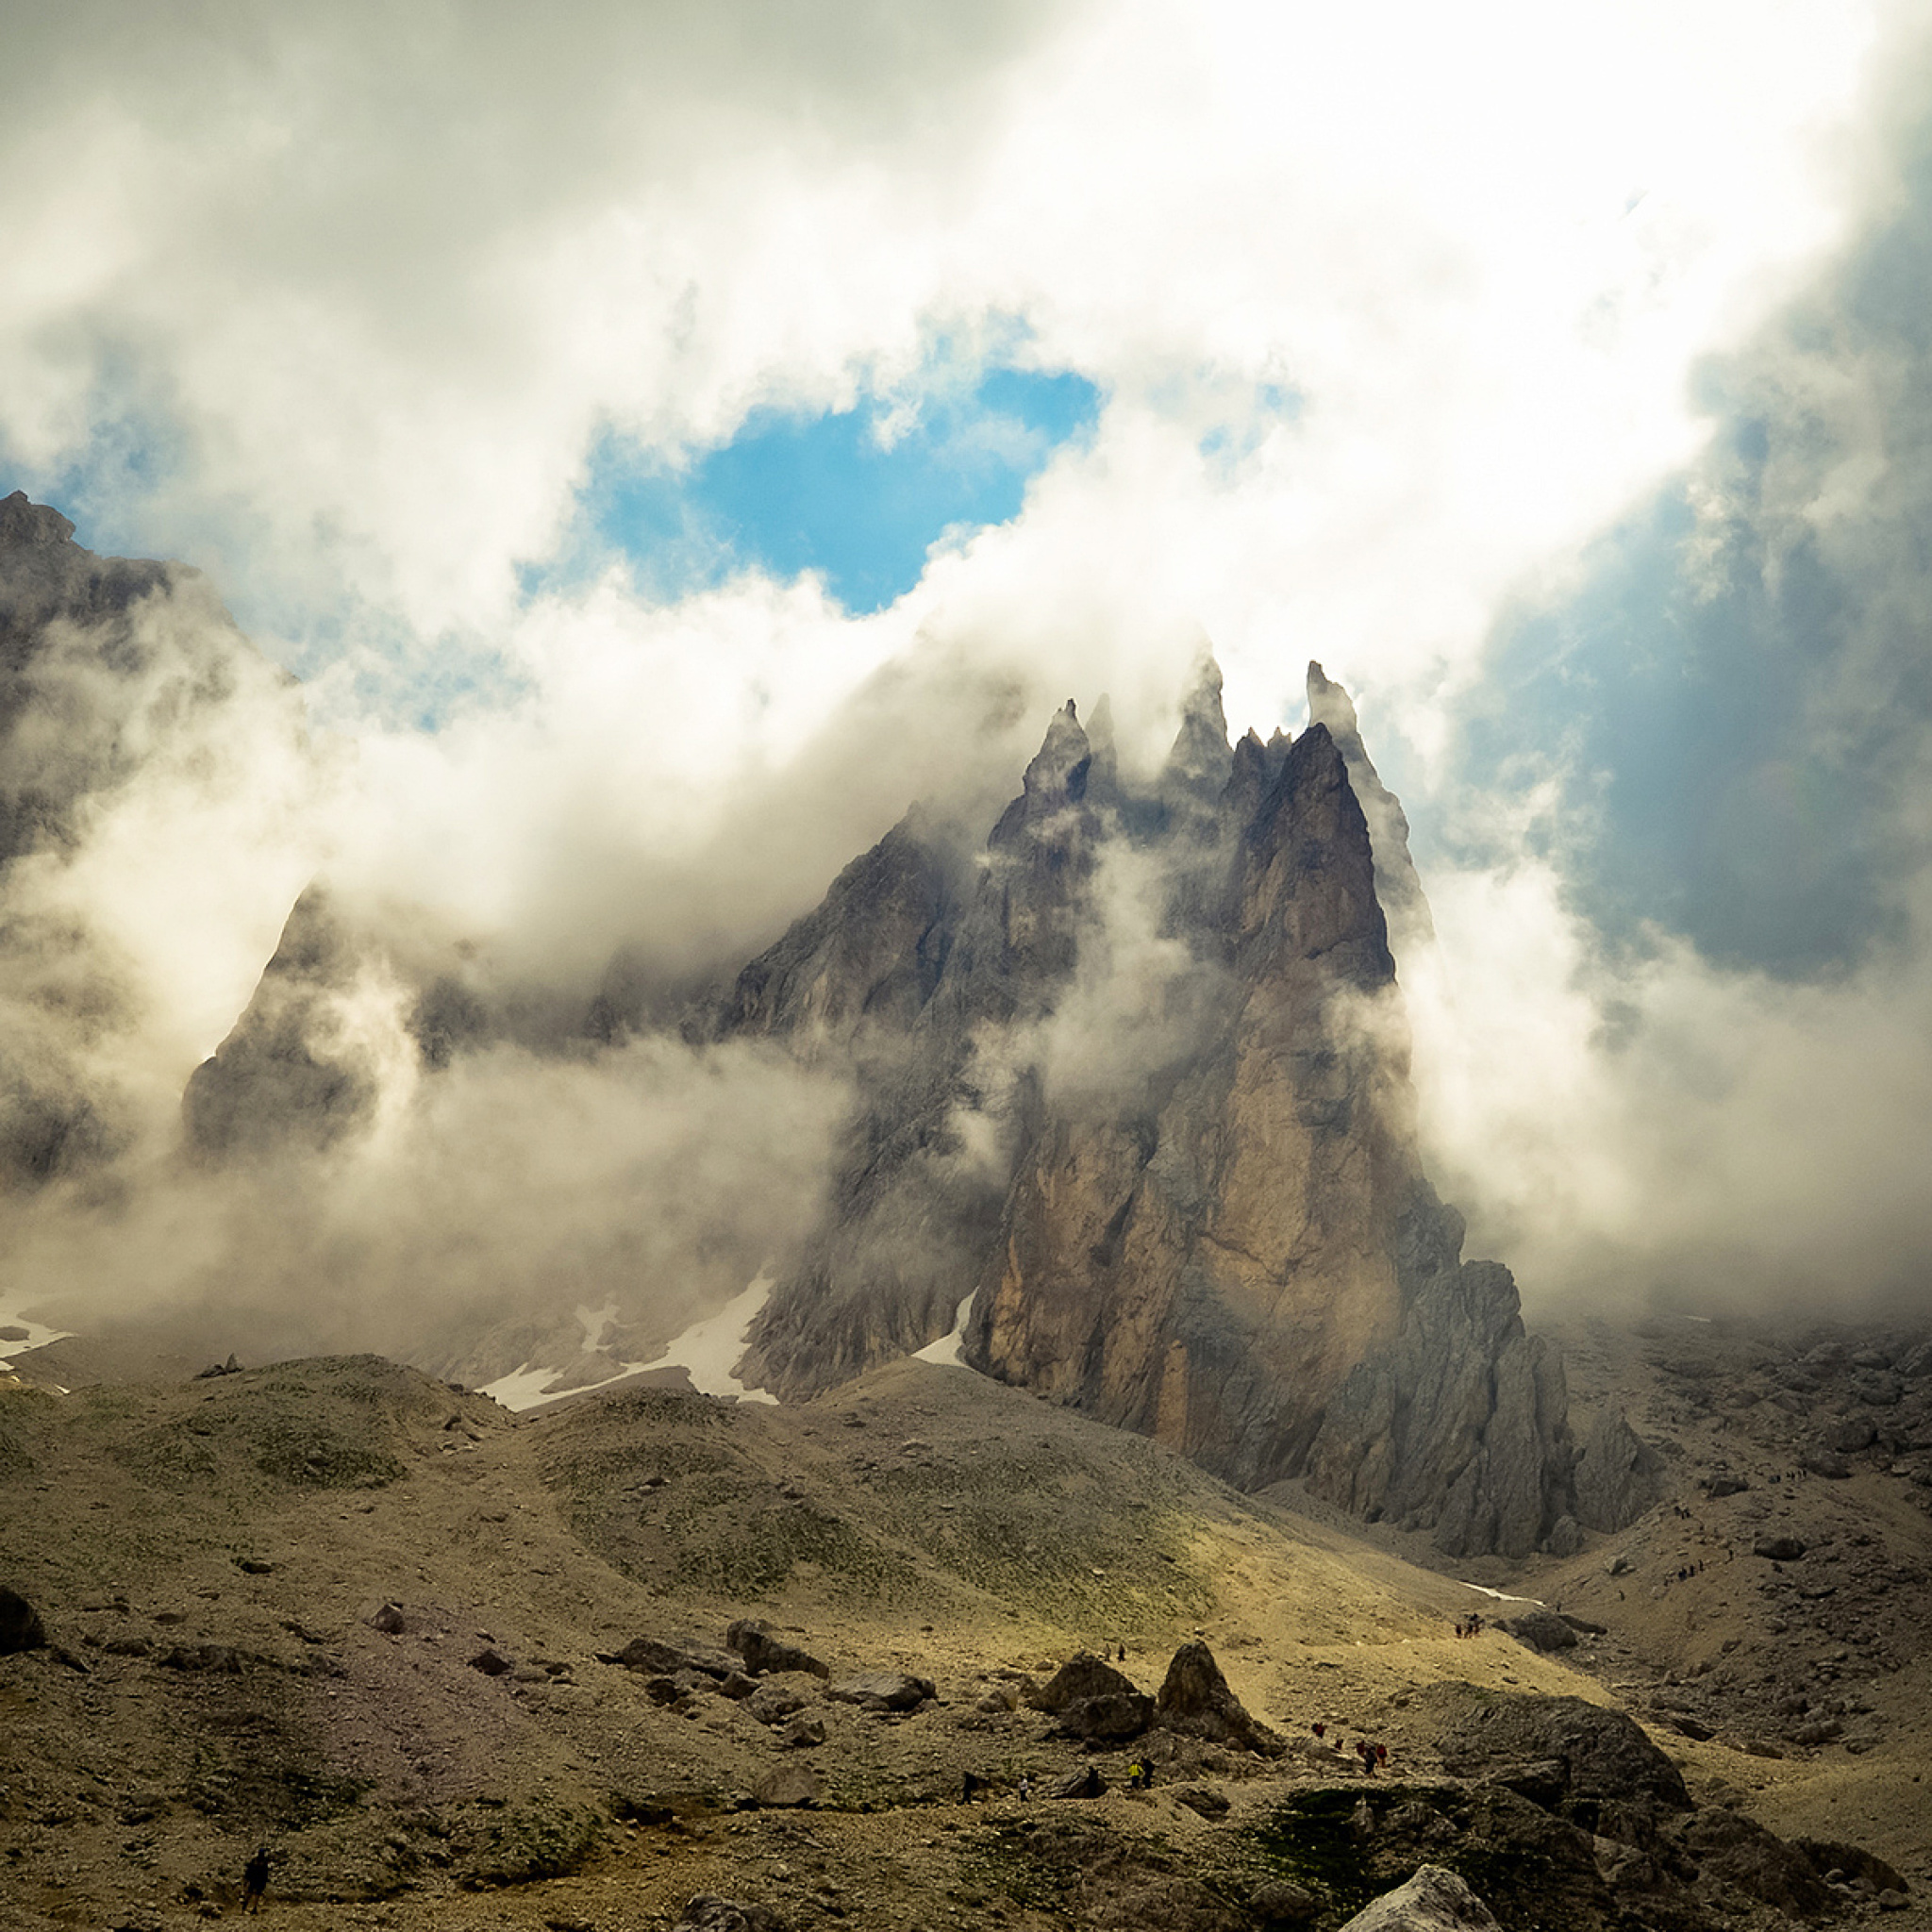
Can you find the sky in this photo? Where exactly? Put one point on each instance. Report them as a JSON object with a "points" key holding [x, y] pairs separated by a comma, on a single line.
{"points": [[664, 439]]}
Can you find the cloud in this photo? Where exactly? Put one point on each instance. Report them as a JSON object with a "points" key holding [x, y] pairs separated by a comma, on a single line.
{"points": [[1395, 312]]}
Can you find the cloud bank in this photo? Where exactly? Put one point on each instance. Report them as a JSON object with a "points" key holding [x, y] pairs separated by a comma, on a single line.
{"points": [[1553, 375]]}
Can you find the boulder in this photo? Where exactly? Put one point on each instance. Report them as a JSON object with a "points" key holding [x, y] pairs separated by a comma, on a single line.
{"points": [[663, 1660], [1194, 1699], [1085, 1783], [1605, 1756], [787, 1786], [1738, 1850], [765, 1654], [882, 1690], [21, 1627], [801, 1734], [1280, 1901], [772, 1704], [1435, 1900], [1542, 1630], [492, 1663], [710, 1913], [1833, 1468], [1849, 1435], [1779, 1549], [1203, 1800], [390, 1620], [1093, 1701]]}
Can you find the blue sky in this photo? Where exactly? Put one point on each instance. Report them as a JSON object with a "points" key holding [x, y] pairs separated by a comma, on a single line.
{"points": [[859, 495]]}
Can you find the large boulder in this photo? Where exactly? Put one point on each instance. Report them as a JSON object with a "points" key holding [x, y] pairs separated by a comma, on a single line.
{"points": [[20, 1624], [1542, 1629], [658, 1659], [1093, 1701], [1194, 1699], [765, 1654], [882, 1690], [1435, 1900]]}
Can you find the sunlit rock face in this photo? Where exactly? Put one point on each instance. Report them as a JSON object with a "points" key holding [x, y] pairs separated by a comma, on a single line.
{"points": [[1154, 1112]]}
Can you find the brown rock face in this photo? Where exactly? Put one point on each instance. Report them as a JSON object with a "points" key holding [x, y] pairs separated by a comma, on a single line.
{"points": [[1154, 1112]]}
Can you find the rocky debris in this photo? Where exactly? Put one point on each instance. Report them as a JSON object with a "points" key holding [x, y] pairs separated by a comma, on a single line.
{"points": [[1093, 1701], [883, 1691], [1837, 1863], [765, 1654], [222, 1659], [1605, 1756], [21, 1627], [709, 1913], [660, 1659], [802, 1734], [1738, 1851], [1435, 1900], [772, 1704], [1542, 1630], [232, 1367], [1203, 1800], [1194, 1699], [1280, 1901], [788, 1785]]}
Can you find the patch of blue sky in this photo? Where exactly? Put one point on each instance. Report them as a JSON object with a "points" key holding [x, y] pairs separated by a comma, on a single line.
{"points": [[1671, 703], [860, 496]]}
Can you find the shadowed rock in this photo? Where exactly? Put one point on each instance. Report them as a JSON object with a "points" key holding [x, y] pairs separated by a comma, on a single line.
{"points": [[1093, 1700], [21, 1627], [765, 1654], [1194, 1699]]}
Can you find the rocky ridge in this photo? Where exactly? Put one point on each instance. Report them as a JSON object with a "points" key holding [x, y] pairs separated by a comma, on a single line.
{"points": [[1153, 1109]]}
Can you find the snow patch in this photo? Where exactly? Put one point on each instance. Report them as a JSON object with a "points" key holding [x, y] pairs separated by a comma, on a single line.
{"points": [[705, 1352], [38, 1335], [706, 1349], [949, 1350], [1502, 1596]]}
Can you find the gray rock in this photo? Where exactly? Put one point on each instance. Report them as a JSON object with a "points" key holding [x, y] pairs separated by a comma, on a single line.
{"points": [[710, 1913], [1823, 1462], [881, 1690], [1848, 1436], [1203, 1800], [1085, 1783], [766, 1653], [787, 1786], [1435, 1900], [802, 1734], [772, 1704], [1738, 1851], [1194, 1699], [1779, 1549], [1093, 1701], [1566, 1538], [661, 1658], [1542, 1630], [1280, 1901], [1617, 1474]]}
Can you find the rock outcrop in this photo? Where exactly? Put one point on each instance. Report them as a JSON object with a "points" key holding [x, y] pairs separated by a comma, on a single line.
{"points": [[1151, 1106], [111, 671]]}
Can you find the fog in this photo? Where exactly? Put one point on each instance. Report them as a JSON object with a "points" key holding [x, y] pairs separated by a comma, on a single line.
{"points": [[1558, 382]]}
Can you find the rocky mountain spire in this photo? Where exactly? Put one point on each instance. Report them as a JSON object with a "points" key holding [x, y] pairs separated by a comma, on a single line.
{"points": [[1219, 1233], [1400, 888]]}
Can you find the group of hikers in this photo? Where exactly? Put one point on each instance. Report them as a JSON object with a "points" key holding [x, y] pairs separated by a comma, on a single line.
{"points": [[1471, 1625]]}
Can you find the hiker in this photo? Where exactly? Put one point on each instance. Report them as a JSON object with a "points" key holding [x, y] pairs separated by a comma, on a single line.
{"points": [[1136, 1775], [1319, 1730], [255, 1880], [969, 1787], [1381, 1753], [1025, 1787], [1122, 1657]]}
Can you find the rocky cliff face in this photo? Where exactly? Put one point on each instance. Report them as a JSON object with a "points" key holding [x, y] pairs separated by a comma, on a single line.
{"points": [[112, 672], [1153, 1110]]}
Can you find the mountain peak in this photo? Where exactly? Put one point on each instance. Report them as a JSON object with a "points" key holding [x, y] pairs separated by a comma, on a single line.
{"points": [[25, 525]]}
